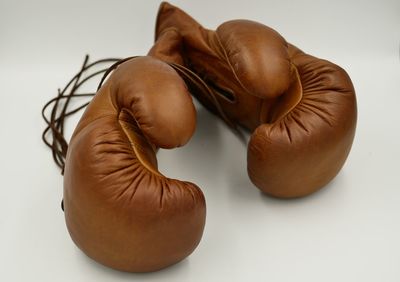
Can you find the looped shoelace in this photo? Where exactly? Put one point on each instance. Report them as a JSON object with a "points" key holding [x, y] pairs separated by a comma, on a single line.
{"points": [[56, 120]]}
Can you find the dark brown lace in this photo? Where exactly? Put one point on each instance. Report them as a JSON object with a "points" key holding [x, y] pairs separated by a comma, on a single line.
{"points": [[53, 135]]}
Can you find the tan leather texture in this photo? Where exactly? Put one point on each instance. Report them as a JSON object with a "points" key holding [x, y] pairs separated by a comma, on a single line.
{"points": [[301, 110], [119, 209]]}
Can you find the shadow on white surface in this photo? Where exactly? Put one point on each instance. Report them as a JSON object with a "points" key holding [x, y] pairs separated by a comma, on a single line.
{"points": [[191, 162], [179, 268]]}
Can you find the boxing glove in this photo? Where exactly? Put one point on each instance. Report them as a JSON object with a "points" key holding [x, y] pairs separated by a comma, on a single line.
{"points": [[301, 110], [119, 209]]}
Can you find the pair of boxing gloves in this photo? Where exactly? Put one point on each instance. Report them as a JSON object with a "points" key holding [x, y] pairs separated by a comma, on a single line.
{"points": [[301, 110]]}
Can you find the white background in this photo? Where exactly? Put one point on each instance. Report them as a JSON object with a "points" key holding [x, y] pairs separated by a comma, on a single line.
{"points": [[349, 231]]}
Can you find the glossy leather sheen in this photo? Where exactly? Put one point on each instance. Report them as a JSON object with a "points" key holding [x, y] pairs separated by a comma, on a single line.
{"points": [[119, 209], [300, 109]]}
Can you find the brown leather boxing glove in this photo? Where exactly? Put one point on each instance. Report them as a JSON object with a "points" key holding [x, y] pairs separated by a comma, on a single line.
{"points": [[301, 109], [119, 209]]}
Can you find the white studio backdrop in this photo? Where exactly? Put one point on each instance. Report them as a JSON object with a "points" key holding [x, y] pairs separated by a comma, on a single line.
{"points": [[349, 231]]}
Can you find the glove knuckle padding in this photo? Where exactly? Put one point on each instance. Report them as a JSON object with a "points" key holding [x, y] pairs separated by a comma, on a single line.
{"points": [[303, 150], [270, 71], [120, 210], [165, 116], [302, 109]]}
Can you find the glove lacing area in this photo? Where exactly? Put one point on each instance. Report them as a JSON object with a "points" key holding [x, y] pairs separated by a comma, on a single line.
{"points": [[53, 134], [194, 80]]}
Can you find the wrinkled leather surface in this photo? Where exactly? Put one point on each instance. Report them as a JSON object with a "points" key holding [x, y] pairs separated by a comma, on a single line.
{"points": [[122, 212], [301, 110], [119, 209]]}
